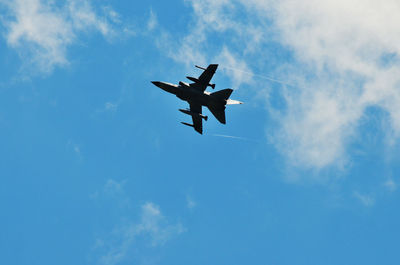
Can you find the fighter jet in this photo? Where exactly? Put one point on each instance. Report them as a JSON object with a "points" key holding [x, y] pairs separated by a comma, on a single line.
{"points": [[195, 94]]}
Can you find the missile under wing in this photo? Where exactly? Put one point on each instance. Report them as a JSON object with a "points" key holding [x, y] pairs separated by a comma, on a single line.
{"points": [[197, 116], [195, 94]]}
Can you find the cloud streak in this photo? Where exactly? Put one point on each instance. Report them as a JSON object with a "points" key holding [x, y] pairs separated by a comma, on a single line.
{"points": [[366, 200], [340, 61], [390, 185], [42, 31], [153, 227], [349, 73], [146, 228]]}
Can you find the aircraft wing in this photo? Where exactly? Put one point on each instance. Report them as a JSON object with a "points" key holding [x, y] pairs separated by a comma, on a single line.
{"points": [[205, 78], [197, 121]]}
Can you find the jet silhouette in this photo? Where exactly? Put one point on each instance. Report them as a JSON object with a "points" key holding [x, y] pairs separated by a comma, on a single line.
{"points": [[195, 94]]}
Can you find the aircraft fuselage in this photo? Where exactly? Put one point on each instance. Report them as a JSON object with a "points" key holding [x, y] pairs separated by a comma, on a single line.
{"points": [[185, 92]]}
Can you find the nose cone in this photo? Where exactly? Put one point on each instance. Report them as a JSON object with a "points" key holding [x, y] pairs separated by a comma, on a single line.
{"points": [[156, 83], [166, 86]]}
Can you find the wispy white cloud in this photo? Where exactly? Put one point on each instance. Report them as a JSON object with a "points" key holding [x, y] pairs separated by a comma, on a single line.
{"points": [[145, 228], [195, 48], [109, 106], [76, 148], [231, 60], [42, 31], [152, 22], [349, 70], [156, 226], [340, 60], [366, 200], [112, 15], [114, 187], [190, 202], [114, 190], [152, 227], [390, 185]]}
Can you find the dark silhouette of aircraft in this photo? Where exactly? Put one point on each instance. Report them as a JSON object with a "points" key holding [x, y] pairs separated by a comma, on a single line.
{"points": [[195, 94]]}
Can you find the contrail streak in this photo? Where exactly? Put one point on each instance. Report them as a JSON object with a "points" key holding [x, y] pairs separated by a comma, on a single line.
{"points": [[234, 137], [260, 76]]}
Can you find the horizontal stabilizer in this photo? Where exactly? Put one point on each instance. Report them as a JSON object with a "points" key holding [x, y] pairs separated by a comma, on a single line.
{"points": [[223, 94], [219, 114], [187, 124]]}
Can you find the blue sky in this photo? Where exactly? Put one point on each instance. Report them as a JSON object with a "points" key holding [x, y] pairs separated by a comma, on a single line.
{"points": [[97, 169]]}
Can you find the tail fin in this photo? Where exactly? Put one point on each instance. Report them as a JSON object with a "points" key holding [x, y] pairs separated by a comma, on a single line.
{"points": [[218, 110], [223, 94]]}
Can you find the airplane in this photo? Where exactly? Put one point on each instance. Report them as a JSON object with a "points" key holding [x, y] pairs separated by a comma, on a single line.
{"points": [[195, 94]]}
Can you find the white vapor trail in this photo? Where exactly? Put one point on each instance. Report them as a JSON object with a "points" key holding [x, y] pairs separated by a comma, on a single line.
{"points": [[259, 76], [234, 137]]}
